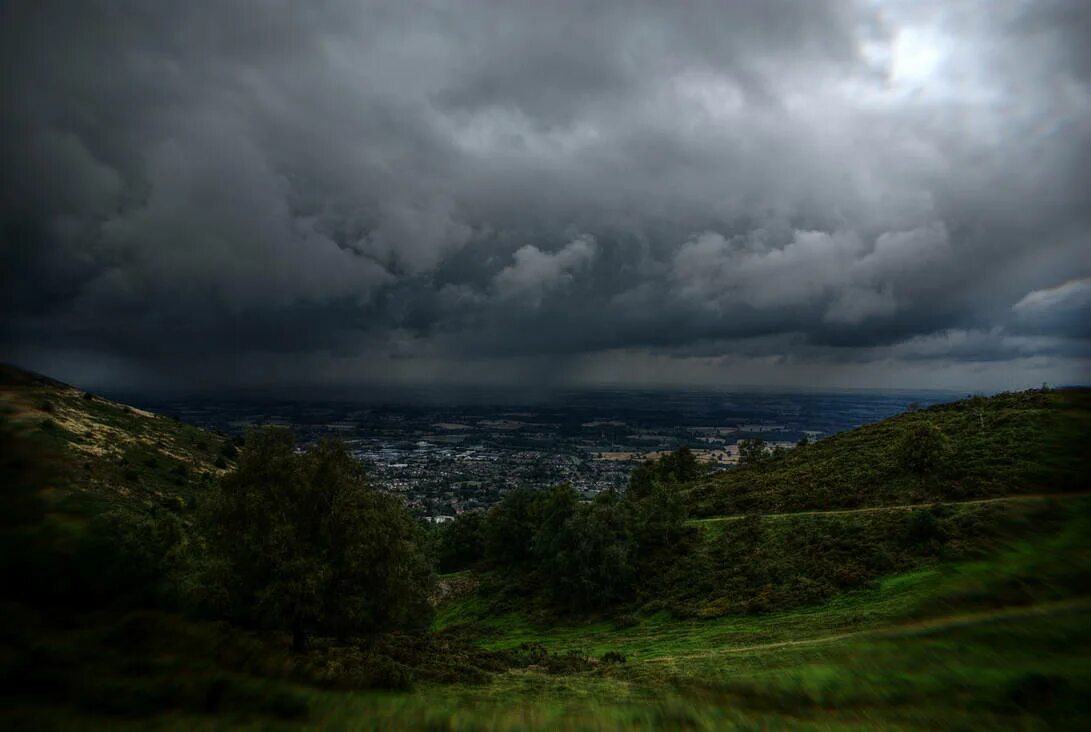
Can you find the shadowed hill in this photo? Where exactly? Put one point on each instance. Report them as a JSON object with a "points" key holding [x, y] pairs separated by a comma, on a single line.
{"points": [[97, 495], [112, 451], [799, 528], [811, 590], [1009, 444]]}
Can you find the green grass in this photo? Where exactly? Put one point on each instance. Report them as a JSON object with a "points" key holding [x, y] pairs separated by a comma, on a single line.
{"points": [[983, 626], [113, 451], [951, 645], [1028, 442], [901, 665], [1037, 569]]}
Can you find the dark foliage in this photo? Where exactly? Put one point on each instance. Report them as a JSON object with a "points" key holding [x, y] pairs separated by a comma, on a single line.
{"points": [[461, 542], [1033, 441], [680, 466], [753, 451], [591, 557], [511, 526], [759, 564], [923, 449], [586, 554], [26, 466], [299, 542]]}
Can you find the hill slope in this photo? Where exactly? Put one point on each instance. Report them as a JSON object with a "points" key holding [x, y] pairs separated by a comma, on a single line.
{"points": [[1028, 442], [810, 592], [111, 451]]}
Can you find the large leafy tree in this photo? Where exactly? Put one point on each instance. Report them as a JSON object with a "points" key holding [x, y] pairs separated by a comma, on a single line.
{"points": [[511, 525], [557, 505], [923, 449], [461, 543], [659, 517], [676, 467], [753, 451], [658, 511], [298, 541], [592, 557]]}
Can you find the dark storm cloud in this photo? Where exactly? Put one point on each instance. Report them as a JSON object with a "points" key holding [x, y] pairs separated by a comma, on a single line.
{"points": [[377, 190]]}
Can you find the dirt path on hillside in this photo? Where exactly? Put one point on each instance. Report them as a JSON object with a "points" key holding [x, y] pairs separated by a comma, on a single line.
{"points": [[894, 631], [899, 507]]}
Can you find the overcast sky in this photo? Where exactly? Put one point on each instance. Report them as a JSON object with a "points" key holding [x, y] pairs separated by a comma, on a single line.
{"points": [[754, 192]]}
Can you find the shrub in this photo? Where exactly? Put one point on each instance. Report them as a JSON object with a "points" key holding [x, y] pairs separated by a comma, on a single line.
{"points": [[285, 704], [923, 449], [851, 574], [753, 451], [680, 466], [532, 653], [461, 542], [925, 527], [510, 527], [125, 555], [566, 663], [174, 503], [1036, 690], [659, 518], [385, 673]]}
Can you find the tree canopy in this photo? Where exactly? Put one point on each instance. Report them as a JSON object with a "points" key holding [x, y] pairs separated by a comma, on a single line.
{"points": [[586, 553], [298, 541]]}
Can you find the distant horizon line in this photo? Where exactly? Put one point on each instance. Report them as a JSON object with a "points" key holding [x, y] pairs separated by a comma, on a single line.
{"points": [[293, 391]]}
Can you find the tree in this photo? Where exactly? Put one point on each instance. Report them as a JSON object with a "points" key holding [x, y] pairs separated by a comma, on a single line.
{"points": [[923, 448], [592, 562], [680, 466], [659, 517], [642, 480], [752, 451], [556, 506], [511, 525], [658, 512], [461, 542], [298, 541]]}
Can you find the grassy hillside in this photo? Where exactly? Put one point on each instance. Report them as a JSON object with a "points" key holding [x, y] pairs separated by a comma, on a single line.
{"points": [[96, 495], [112, 451], [1027, 442], [997, 642], [830, 588]]}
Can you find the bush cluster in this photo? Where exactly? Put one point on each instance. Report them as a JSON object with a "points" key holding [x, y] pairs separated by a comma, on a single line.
{"points": [[587, 553], [923, 449]]}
